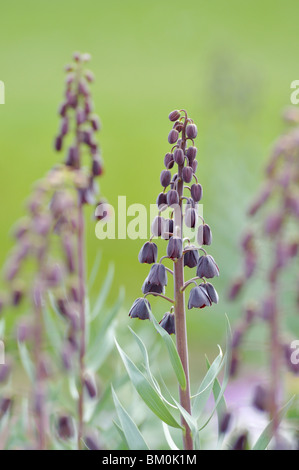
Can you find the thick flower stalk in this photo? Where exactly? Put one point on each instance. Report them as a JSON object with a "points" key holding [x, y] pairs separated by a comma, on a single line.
{"points": [[276, 212], [79, 122], [180, 197]]}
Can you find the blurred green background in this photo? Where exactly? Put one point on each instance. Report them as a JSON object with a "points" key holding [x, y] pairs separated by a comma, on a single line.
{"points": [[230, 64]]}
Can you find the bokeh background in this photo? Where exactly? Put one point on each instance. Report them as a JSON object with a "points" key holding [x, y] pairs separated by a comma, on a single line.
{"points": [[230, 64]]}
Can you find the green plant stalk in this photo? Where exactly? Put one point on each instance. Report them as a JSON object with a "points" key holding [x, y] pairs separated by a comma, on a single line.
{"points": [[179, 308], [82, 345]]}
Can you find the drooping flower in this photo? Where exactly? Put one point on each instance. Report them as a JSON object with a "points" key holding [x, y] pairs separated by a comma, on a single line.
{"points": [[148, 253], [198, 298], [168, 323], [140, 309], [175, 248], [207, 267]]}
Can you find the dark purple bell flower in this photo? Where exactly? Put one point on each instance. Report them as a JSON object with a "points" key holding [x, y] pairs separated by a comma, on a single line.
{"points": [[175, 248], [199, 298], [172, 197], [196, 192], [169, 161], [191, 217], [168, 323], [158, 226], [211, 291], [148, 253], [168, 227], [65, 427], [158, 274], [147, 288], [191, 258], [204, 235], [187, 174], [207, 267], [162, 201], [140, 309]]}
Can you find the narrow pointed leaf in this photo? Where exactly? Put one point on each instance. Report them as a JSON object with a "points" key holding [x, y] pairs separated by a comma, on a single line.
{"points": [[267, 435], [132, 434], [146, 391]]}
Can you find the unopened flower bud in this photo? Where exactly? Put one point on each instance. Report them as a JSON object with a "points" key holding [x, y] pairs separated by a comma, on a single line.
{"points": [[194, 165], [165, 178], [196, 192], [191, 154], [179, 156], [157, 226], [174, 115], [187, 174], [65, 427], [58, 143], [191, 217], [90, 385], [169, 161], [97, 167], [64, 126], [175, 248], [191, 131], [162, 201], [72, 159], [173, 136], [173, 197], [95, 122], [204, 235]]}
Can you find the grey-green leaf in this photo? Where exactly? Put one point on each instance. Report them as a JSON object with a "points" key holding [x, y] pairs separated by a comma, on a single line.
{"points": [[131, 432], [146, 391]]}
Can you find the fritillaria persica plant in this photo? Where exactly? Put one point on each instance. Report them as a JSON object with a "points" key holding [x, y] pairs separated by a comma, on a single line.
{"points": [[51, 238], [181, 193], [274, 230]]}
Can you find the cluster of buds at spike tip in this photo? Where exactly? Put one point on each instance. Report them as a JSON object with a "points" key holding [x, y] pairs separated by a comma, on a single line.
{"points": [[78, 128], [181, 191]]}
